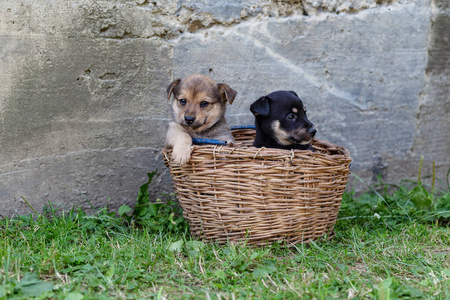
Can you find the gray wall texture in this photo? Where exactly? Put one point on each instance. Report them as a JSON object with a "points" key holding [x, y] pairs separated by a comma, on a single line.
{"points": [[83, 109]]}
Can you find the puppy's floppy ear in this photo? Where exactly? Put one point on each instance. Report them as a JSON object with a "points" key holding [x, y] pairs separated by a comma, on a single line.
{"points": [[261, 107], [226, 93], [172, 87], [292, 92]]}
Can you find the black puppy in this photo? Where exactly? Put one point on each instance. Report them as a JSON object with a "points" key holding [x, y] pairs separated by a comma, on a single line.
{"points": [[281, 122]]}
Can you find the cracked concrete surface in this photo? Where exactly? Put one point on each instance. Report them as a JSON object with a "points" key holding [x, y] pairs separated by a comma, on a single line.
{"points": [[82, 85]]}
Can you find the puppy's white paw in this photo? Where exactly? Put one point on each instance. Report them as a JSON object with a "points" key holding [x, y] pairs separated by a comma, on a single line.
{"points": [[181, 155]]}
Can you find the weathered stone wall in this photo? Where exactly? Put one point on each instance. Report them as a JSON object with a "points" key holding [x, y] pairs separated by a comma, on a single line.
{"points": [[82, 85]]}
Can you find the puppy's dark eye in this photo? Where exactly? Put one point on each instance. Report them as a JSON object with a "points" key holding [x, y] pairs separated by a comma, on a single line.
{"points": [[204, 104], [182, 102], [291, 116]]}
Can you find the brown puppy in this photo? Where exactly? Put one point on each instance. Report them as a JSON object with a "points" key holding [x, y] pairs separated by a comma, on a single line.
{"points": [[198, 110]]}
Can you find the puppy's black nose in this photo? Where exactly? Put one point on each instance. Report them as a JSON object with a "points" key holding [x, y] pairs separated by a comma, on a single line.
{"points": [[189, 119], [312, 131]]}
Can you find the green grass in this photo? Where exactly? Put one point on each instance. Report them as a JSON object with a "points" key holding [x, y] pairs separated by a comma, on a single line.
{"points": [[385, 247]]}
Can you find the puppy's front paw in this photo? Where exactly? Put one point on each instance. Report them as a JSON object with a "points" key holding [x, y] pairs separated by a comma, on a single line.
{"points": [[231, 142], [181, 155]]}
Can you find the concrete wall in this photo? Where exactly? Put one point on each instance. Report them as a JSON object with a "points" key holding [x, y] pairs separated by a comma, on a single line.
{"points": [[83, 108]]}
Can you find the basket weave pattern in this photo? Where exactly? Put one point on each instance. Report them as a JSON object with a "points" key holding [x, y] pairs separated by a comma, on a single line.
{"points": [[258, 194]]}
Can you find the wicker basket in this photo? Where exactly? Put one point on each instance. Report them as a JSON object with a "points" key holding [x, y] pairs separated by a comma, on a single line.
{"points": [[261, 195]]}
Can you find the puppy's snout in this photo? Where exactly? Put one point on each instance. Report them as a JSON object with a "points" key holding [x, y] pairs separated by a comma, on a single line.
{"points": [[312, 131], [189, 119]]}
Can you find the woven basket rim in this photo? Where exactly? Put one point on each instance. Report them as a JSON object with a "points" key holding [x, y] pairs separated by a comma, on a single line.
{"points": [[341, 153]]}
